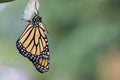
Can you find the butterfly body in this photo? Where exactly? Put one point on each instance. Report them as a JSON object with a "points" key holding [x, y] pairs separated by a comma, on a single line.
{"points": [[33, 44]]}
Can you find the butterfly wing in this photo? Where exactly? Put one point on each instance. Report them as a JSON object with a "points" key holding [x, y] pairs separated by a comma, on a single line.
{"points": [[33, 44]]}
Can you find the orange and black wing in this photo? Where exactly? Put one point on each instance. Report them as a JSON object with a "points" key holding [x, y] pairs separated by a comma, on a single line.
{"points": [[33, 44]]}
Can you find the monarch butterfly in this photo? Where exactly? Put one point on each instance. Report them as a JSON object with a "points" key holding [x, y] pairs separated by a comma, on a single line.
{"points": [[33, 44]]}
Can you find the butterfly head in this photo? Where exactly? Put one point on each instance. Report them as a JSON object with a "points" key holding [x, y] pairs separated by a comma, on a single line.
{"points": [[36, 20]]}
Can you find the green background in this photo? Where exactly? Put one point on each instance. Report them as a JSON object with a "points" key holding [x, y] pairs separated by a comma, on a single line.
{"points": [[79, 31]]}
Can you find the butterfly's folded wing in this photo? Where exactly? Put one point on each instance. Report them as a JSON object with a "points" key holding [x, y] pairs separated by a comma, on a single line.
{"points": [[33, 44]]}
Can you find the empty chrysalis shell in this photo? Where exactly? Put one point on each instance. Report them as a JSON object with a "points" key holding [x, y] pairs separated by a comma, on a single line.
{"points": [[31, 8]]}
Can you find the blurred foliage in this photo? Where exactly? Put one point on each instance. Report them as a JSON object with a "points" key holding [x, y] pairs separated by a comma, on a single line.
{"points": [[3, 1], [79, 32]]}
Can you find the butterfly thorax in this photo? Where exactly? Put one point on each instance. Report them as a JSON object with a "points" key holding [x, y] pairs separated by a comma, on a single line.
{"points": [[36, 20]]}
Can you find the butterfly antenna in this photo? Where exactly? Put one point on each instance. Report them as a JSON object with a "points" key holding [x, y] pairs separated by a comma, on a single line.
{"points": [[45, 27], [38, 14]]}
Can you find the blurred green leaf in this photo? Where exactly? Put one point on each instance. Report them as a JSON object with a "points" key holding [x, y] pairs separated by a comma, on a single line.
{"points": [[3, 1]]}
